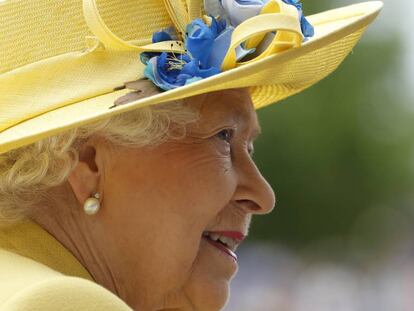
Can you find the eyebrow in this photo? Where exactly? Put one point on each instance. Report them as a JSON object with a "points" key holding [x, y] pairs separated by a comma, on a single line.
{"points": [[241, 117], [255, 131]]}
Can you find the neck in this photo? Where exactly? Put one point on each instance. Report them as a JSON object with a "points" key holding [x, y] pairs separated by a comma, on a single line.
{"points": [[66, 221]]}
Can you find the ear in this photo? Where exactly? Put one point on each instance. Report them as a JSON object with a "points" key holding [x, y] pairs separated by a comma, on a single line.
{"points": [[84, 178]]}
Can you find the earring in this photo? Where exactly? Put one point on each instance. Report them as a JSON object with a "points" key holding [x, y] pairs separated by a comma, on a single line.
{"points": [[92, 204]]}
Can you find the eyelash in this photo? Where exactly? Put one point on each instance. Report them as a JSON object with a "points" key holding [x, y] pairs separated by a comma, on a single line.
{"points": [[228, 135], [225, 134], [250, 150]]}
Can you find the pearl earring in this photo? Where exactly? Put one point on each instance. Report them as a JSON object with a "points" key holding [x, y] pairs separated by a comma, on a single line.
{"points": [[92, 204]]}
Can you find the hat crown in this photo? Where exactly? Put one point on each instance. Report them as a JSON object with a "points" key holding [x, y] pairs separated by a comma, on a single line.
{"points": [[37, 30], [46, 59]]}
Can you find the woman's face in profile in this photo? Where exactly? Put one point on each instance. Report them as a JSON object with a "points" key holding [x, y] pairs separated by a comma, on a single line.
{"points": [[159, 202]]}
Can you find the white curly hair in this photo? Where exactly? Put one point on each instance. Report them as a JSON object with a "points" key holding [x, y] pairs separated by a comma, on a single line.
{"points": [[28, 173]]}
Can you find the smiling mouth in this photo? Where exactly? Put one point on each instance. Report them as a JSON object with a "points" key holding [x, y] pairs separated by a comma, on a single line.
{"points": [[226, 241]]}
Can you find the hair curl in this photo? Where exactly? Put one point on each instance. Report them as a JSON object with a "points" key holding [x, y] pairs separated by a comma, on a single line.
{"points": [[27, 173]]}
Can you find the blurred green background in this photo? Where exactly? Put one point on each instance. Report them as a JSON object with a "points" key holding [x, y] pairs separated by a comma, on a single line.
{"points": [[342, 146], [340, 157]]}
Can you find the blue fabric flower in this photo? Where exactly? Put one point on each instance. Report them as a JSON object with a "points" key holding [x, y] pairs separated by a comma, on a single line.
{"points": [[206, 48], [206, 45], [307, 28], [199, 43], [165, 70], [159, 36], [240, 10]]}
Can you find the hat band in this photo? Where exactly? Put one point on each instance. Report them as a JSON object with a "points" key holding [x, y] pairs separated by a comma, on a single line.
{"points": [[113, 42]]}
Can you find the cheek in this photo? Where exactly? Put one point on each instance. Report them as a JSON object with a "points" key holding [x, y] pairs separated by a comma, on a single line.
{"points": [[202, 187], [210, 178], [210, 183], [197, 176], [198, 186], [187, 182], [160, 203]]}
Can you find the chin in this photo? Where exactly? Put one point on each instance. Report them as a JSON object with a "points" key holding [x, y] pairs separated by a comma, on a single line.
{"points": [[209, 285], [217, 299], [209, 297]]}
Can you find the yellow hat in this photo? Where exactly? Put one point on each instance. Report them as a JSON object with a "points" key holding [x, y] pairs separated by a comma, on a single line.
{"points": [[62, 62]]}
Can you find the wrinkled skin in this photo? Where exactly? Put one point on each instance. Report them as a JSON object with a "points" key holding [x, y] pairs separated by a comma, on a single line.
{"points": [[145, 244]]}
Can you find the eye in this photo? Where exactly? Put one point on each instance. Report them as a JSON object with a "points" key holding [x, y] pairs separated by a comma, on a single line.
{"points": [[250, 149], [226, 135]]}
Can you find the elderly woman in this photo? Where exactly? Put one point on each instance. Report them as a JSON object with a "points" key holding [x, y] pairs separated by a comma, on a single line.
{"points": [[136, 196], [177, 189]]}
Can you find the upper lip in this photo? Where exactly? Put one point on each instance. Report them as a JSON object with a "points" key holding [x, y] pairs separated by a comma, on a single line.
{"points": [[236, 236]]}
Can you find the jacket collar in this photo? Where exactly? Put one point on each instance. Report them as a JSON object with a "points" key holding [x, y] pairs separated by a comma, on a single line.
{"points": [[30, 240]]}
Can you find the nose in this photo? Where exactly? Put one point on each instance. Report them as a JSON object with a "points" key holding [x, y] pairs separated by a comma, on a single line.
{"points": [[253, 192]]}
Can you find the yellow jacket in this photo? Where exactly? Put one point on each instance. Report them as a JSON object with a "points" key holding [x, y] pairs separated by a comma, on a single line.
{"points": [[37, 273]]}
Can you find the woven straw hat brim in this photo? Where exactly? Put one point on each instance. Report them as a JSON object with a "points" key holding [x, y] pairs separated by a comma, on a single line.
{"points": [[270, 80]]}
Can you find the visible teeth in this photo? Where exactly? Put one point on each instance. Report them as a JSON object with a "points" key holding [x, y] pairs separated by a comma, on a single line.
{"points": [[214, 236], [228, 241], [231, 243]]}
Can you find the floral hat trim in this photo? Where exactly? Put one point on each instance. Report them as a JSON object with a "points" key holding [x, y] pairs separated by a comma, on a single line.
{"points": [[207, 41]]}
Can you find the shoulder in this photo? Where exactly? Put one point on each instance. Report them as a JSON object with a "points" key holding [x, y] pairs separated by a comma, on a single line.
{"points": [[28, 285], [64, 293]]}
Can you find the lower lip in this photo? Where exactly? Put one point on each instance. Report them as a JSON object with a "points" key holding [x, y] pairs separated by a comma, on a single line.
{"points": [[222, 248]]}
